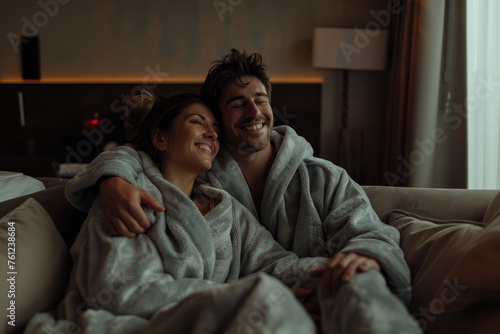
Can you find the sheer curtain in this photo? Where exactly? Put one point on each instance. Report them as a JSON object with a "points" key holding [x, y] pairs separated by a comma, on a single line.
{"points": [[483, 94]]}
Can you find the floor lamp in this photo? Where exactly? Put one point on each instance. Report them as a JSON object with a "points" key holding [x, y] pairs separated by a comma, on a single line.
{"points": [[350, 49]]}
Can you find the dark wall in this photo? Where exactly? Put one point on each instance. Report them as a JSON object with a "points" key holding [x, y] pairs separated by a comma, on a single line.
{"points": [[54, 117]]}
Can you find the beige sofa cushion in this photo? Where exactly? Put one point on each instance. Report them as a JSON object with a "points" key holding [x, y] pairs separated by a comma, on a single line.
{"points": [[431, 248], [455, 270], [478, 268], [41, 262]]}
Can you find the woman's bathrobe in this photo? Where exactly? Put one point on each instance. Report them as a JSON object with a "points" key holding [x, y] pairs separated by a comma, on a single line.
{"points": [[182, 275]]}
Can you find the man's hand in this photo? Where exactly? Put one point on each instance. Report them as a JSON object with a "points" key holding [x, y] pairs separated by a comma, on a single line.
{"points": [[121, 207], [342, 268], [312, 307]]}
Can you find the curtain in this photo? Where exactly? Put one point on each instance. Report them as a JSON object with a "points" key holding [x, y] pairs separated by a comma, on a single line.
{"points": [[396, 141], [483, 98], [450, 163], [423, 148]]}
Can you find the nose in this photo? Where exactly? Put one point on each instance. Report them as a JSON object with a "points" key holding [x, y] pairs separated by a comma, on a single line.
{"points": [[211, 133], [252, 110]]}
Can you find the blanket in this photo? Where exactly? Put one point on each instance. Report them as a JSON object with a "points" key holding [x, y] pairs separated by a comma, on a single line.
{"points": [[185, 274]]}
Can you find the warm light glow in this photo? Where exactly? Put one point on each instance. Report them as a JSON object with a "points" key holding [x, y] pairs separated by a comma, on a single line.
{"points": [[304, 80], [97, 80], [131, 80]]}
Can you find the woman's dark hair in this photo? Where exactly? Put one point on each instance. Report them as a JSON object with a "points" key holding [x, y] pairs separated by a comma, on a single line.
{"points": [[146, 112], [233, 65]]}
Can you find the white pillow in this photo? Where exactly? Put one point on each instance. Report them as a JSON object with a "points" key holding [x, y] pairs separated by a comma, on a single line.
{"points": [[40, 263], [14, 184]]}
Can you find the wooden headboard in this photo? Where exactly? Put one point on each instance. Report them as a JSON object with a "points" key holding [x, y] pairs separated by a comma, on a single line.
{"points": [[54, 114]]}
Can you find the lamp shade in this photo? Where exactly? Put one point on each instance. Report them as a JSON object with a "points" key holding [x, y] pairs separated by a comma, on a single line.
{"points": [[355, 49]]}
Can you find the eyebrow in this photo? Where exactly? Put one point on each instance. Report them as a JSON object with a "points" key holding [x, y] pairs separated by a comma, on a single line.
{"points": [[242, 97]]}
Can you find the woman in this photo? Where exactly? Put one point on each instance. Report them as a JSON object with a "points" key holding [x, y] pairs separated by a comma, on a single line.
{"points": [[183, 274]]}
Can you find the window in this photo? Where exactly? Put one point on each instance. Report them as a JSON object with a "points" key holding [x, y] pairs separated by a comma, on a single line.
{"points": [[483, 94]]}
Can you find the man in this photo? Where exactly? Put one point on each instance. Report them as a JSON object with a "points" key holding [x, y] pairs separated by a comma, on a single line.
{"points": [[309, 205]]}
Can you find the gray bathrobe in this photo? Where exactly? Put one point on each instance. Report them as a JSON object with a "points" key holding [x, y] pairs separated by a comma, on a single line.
{"points": [[313, 208], [183, 274], [310, 206]]}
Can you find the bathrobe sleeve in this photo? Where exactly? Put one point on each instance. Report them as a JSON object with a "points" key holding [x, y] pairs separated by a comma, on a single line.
{"points": [[82, 189], [351, 225]]}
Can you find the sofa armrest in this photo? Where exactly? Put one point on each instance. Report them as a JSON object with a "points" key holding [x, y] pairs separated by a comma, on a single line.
{"points": [[50, 182], [67, 219], [435, 203]]}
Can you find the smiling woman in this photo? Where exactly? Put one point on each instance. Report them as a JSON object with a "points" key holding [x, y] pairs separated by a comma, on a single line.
{"points": [[179, 132]]}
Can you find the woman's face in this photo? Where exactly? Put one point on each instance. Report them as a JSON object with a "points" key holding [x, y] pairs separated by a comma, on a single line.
{"points": [[191, 144]]}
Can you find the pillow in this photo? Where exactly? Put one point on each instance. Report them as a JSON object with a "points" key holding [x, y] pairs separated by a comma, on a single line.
{"points": [[478, 268], [431, 247], [40, 264], [16, 184], [455, 268]]}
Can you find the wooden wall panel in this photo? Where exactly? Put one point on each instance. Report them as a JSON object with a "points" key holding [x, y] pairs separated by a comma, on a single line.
{"points": [[54, 115]]}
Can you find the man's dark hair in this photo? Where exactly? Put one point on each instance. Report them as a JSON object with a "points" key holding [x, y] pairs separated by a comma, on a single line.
{"points": [[233, 65]]}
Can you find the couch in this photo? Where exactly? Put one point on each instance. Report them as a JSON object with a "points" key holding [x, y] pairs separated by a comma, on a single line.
{"points": [[450, 238]]}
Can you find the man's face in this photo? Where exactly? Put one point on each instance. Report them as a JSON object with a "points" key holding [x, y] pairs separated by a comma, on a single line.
{"points": [[247, 116]]}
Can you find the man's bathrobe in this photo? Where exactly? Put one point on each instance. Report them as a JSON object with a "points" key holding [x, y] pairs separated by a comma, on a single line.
{"points": [[171, 279], [313, 208]]}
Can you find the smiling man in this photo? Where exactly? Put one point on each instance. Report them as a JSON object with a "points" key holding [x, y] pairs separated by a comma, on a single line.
{"points": [[309, 205], [248, 121]]}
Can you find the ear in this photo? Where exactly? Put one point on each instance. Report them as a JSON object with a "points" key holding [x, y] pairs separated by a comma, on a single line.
{"points": [[160, 140]]}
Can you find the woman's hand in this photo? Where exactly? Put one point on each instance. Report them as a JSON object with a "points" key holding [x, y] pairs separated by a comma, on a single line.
{"points": [[342, 268], [121, 207]]}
